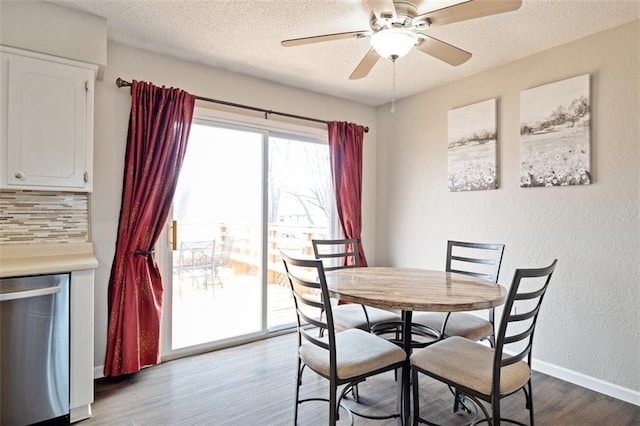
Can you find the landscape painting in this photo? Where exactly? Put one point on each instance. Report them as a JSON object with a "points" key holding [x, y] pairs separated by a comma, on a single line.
{"points": [[471, 148], [554, 134]]}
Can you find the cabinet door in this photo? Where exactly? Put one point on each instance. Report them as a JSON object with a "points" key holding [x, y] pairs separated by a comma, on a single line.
{"points": [[49, 124]]}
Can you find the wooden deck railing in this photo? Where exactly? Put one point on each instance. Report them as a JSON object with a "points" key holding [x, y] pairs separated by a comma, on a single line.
{"points": [[245, 259], [245, 252]]}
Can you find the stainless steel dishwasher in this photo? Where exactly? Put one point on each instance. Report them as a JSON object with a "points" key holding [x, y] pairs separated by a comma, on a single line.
{"points": [[34, 350]]}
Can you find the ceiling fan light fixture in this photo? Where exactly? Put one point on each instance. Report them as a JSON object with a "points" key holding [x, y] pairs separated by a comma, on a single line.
{"points": [[393, 43]]}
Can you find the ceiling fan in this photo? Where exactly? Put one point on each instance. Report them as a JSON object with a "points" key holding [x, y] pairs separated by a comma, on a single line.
{"points": [[397, 27]]}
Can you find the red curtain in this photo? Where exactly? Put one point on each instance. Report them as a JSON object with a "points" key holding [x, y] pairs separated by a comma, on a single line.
{"points": [[158, 131], [346, 146]]}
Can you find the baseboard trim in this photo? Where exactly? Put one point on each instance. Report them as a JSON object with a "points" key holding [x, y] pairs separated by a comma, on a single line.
{"points": [[618, 392], [98, 372]]}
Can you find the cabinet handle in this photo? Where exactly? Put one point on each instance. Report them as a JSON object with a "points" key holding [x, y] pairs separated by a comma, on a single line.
{"points": [[16, 295], [86, 176], [18, 175]]}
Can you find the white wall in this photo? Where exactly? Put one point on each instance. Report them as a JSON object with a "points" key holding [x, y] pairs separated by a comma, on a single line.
{"points": [[112, 109], [590, 321], [48, 28]]}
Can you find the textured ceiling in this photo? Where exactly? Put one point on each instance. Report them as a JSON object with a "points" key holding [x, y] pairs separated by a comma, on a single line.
{"points": [[244, 36]]}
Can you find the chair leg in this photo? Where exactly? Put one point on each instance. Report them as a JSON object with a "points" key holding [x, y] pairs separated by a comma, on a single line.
{"points": [[459, 402], [456, 401], [495, 410], [355, 393], [333, 406], [416, 396], [530, 402], [298, 383]]}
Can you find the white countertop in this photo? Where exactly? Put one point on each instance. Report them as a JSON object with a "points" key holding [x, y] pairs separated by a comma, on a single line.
{"points": [[33, 259]]}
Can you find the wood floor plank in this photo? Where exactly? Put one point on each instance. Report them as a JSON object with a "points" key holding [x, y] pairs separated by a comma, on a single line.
{"points": [[254, 384]]}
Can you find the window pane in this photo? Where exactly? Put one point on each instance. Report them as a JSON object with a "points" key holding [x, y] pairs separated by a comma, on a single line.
{"points": [[300, 208], [217, 290]]}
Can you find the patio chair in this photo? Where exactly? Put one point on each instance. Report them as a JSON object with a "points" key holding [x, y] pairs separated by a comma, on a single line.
{"points": [[489, 374], [343, 358], [221, 258], [196, 263]]}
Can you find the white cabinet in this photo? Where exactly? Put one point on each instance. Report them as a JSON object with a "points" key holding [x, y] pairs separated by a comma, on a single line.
{"points": [[47, 122]]}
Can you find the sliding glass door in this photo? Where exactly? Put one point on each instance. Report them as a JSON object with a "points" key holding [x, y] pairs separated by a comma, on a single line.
{"points": [[244, 194], [217, 210]]}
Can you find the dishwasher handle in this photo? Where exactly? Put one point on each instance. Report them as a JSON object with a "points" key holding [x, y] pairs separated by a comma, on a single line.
{"points": [[15, 295]]}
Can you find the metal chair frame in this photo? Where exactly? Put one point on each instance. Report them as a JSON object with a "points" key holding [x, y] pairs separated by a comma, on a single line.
{"points": [[196, 261], [494, 261], [305, 295], [528, 310], [350, 252], [222, 257]]}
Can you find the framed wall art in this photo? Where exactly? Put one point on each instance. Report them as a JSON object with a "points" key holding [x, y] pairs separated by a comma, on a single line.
{"points": [[471, 149], [554, 134]]}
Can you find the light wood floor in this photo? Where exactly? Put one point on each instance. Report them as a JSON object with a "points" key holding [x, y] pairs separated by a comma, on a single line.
{"points": [[254, 385]]}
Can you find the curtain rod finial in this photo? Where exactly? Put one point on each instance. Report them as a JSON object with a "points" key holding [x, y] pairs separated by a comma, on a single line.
{"points": [[121, 83]]}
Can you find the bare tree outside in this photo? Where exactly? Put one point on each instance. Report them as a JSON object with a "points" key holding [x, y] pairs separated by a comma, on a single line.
{"points": [[299, 182]]}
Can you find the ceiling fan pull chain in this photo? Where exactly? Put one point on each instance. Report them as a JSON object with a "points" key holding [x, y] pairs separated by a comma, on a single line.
{"points": [[393, 96]]}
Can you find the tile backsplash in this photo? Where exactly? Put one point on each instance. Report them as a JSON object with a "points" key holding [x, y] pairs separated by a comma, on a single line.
{"points": [[43, 217]]}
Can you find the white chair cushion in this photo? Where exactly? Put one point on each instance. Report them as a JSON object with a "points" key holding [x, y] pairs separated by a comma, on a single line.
{"points": [[351, 315], [357, 352], [470, 364], [459, 324]]}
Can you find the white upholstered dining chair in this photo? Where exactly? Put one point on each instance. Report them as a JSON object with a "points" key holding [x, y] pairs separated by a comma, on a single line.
{"points": [[343, 358], [489, 374], [479, 260]]}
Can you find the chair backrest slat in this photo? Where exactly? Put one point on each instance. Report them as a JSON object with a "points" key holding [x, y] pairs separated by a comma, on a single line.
{"points": [[337, 253], [473, 260], [473, 274], [515, 357], [519, 336], [314, 340], [480, 260]]}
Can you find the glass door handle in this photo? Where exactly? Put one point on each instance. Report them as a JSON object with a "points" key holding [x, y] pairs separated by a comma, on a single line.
{"points": [[174, 235]]}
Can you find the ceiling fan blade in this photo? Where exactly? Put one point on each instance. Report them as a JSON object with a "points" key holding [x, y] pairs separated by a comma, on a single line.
{"points": [[469, 9], [325, 37], [365, 65], [441, 50], [383, 8]]}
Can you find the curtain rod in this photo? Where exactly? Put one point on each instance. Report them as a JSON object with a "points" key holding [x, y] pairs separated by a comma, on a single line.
{"points": [[122, 83]]}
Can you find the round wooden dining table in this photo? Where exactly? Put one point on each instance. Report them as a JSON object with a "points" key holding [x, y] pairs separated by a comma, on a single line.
{"points": [[408, 290]]}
